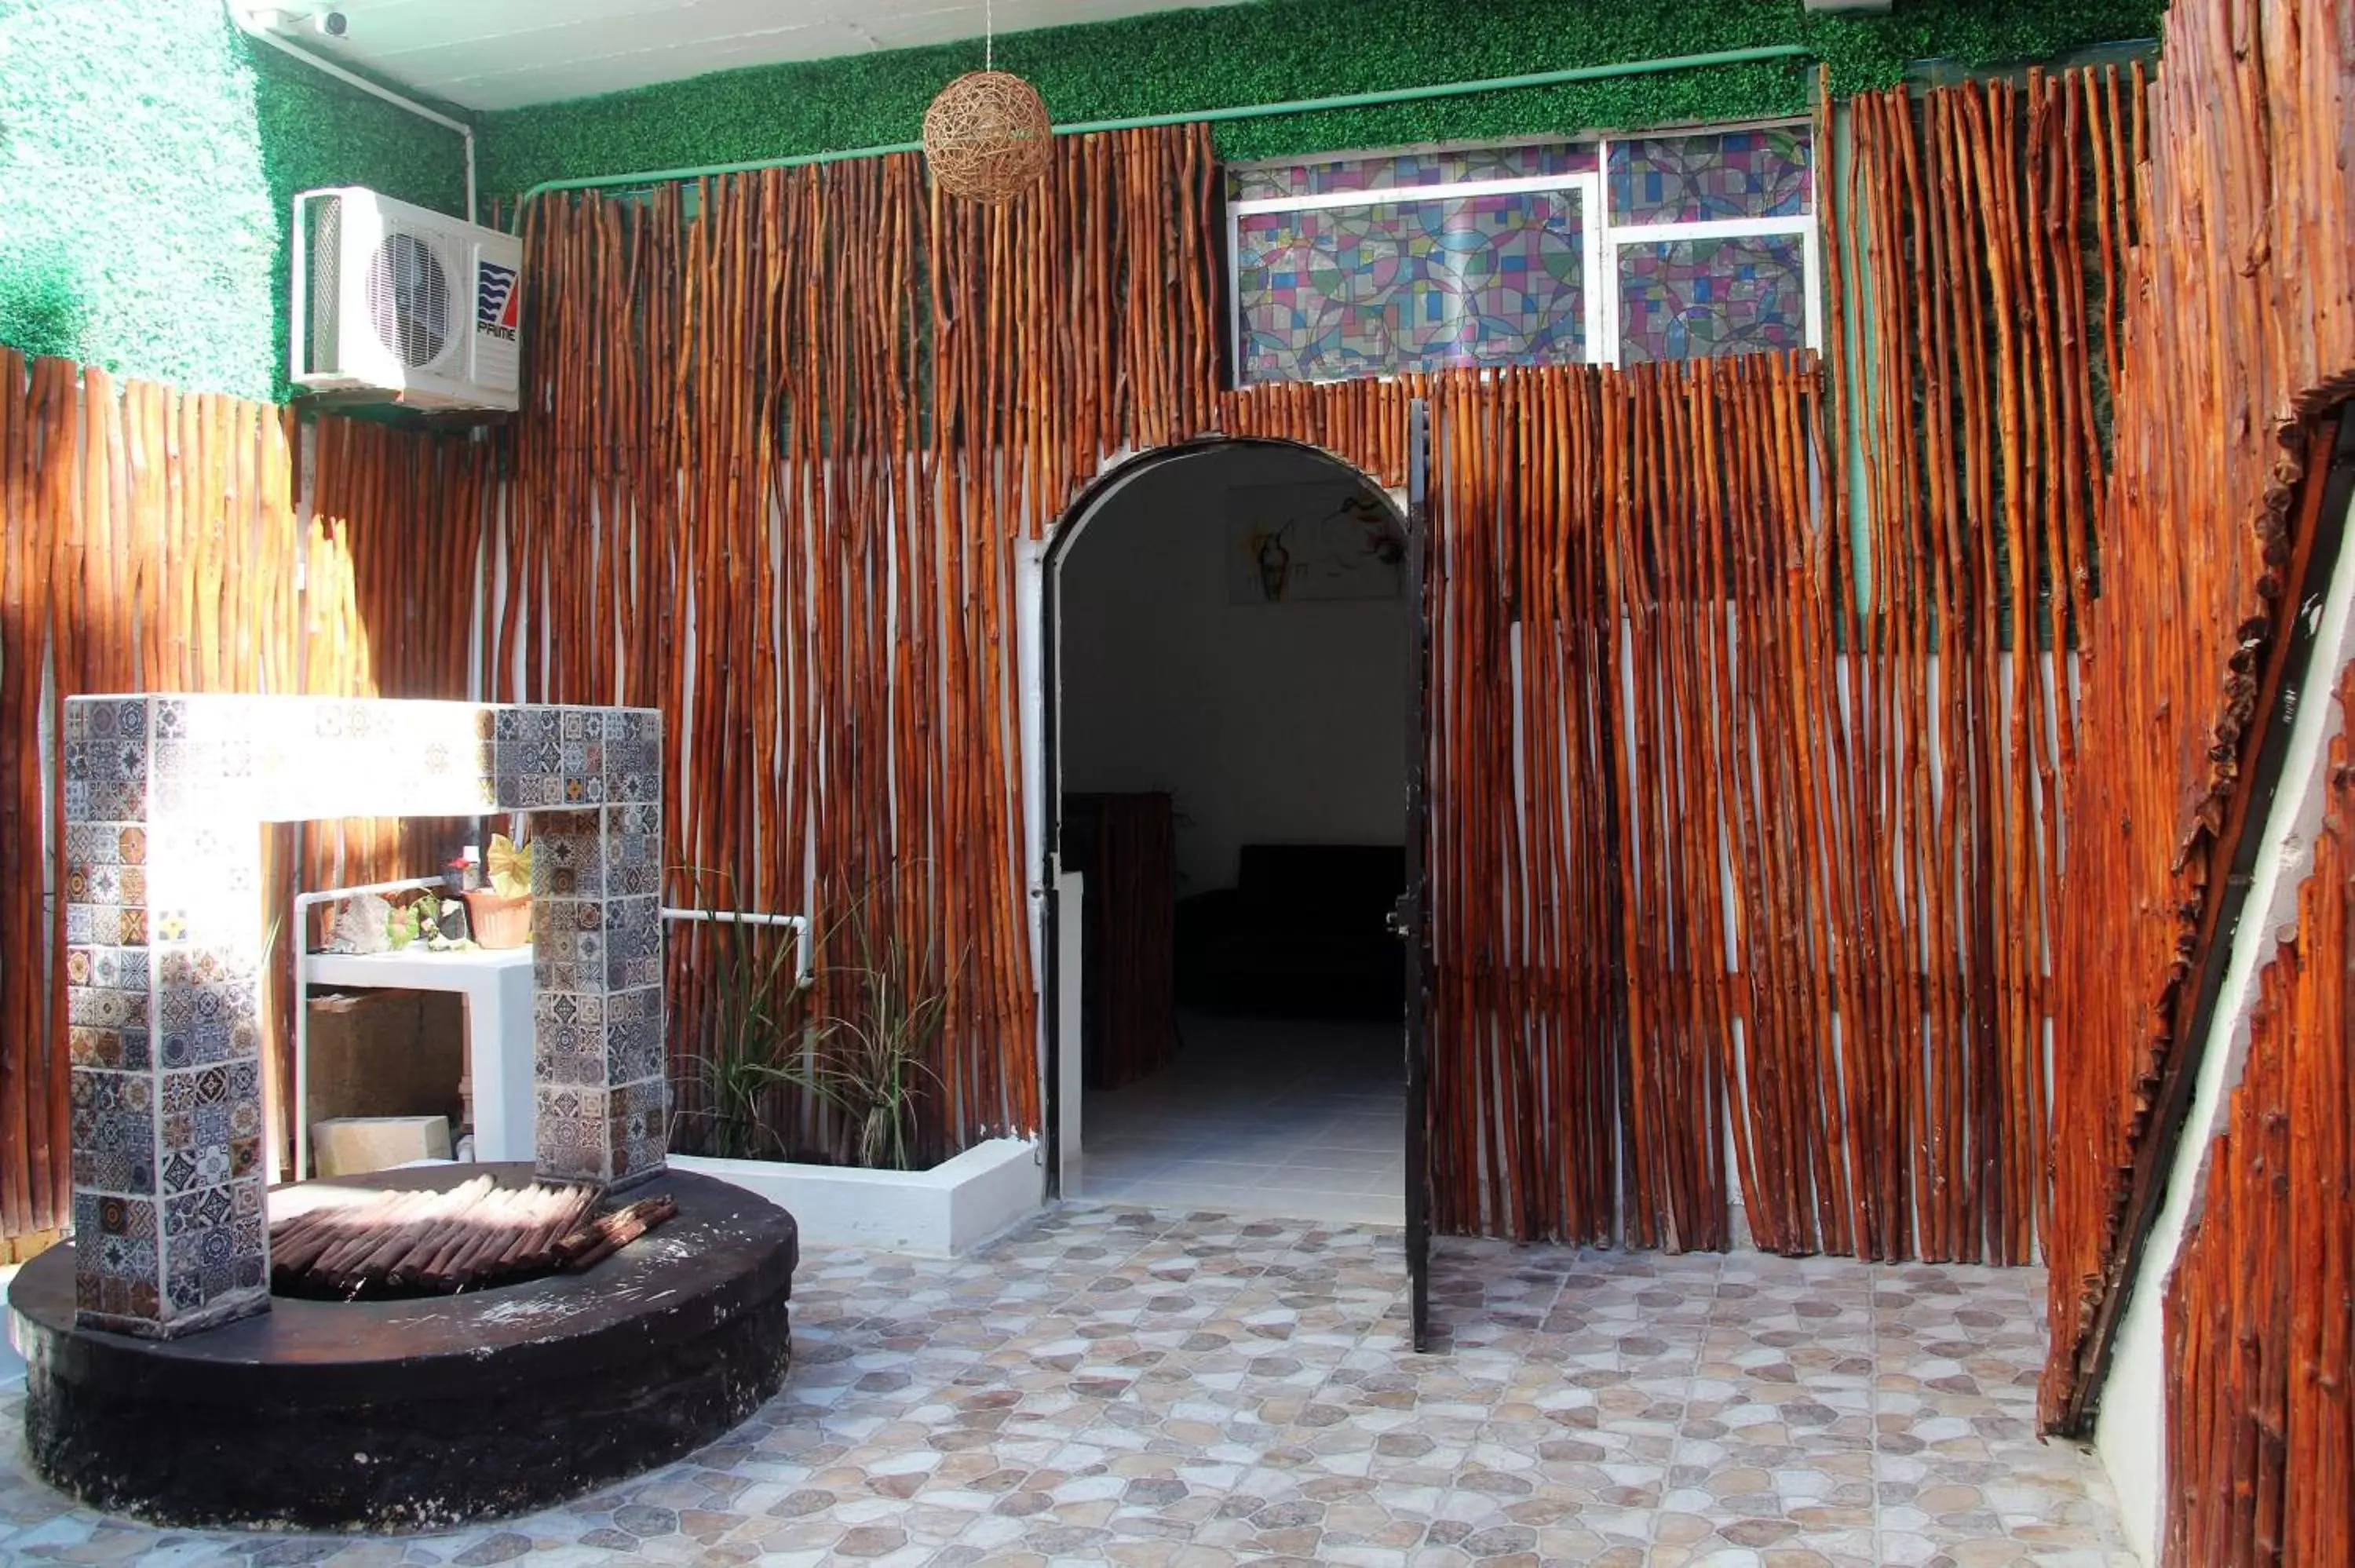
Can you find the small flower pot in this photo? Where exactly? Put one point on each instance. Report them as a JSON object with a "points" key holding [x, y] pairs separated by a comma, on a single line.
{"points": [[498, 922]]}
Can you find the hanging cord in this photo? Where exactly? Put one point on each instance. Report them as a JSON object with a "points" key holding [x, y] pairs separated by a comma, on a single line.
{"points": [[988, 37]]}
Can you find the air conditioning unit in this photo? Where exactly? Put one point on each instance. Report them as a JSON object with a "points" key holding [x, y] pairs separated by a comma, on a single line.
{"points": [[395, 304]]}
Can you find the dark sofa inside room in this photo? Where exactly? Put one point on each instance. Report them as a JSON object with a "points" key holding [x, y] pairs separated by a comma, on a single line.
{"points": [[1303, 932]]}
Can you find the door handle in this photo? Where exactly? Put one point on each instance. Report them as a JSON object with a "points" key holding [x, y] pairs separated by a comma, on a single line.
{"points": [[1400, 921]]}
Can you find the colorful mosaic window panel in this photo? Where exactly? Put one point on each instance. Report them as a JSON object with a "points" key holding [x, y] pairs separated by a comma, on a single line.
{"points": [[1406, 171], [1329, 292], [1692, 299], [1688, 179]]}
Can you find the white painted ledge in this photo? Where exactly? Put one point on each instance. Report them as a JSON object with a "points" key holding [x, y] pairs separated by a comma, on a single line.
{"points": [[940, 1212]]}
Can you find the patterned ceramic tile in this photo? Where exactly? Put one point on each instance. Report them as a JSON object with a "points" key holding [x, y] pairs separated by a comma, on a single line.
{"points": [[569, 932], [120, 1049], [112, 1126], [638, 1121], [213, 1244], [568, 856], [118, 1277], [119, 756], [575, 756], [125, 968], [207, 1004], [633, 848], [633, 943], [106, 925], [569, 1128], [1123, 1385], [633, 1034], [164, 953], [104, 1007], [632, 757]]}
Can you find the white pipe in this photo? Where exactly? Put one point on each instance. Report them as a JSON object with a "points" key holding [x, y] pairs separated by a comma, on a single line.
{"points": [[252, 28], [799, 923], [302, 939]]}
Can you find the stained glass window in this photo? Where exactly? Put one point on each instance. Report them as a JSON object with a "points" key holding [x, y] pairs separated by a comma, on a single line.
{"points": [[1691, 179], [1265, 182], [1690, 299], [1418, 260], [1334, 292]]}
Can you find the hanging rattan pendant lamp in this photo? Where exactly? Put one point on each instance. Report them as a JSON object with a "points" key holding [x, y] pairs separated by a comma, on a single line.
{"points": [[986, 136]]}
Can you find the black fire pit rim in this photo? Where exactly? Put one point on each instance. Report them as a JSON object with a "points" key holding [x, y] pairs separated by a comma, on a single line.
{"points": [[727, 1251]]}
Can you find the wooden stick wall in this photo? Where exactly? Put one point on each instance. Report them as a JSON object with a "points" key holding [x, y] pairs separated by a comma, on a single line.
{"points": [[2239, 332], [1724, 856], [397, 522], [1605, 1001], [1983, 225], [1773, 865], [790, 431], [1760, 862], [150, 540], [2260, 1437]]}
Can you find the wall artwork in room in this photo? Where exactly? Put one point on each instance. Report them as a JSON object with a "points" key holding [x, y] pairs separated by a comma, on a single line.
{"points": [[1327, 540]]}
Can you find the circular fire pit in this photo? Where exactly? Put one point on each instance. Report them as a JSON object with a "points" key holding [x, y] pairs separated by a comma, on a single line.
{"points": [[421, 1413]]}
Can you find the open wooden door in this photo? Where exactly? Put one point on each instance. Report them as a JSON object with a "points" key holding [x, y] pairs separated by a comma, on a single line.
{"points": [[1410, 920]]}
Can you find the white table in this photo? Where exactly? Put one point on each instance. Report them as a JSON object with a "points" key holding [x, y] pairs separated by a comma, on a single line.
{"points": [[497, 983]]}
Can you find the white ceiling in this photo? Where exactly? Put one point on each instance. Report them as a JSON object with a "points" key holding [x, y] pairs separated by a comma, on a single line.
{"points": [[503, 54]]}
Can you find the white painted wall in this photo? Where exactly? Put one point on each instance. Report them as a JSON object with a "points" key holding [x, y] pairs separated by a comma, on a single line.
{"points": [[2132, 1425], [1266, 723], [941, 1213], [1071, 1014]]}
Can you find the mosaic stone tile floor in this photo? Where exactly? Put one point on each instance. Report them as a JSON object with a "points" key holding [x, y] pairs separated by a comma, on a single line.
{"points": [[1119, 1385]]}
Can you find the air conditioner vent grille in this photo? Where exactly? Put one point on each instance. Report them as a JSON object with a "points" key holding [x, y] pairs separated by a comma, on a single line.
{"points": [[408, 300], [325, 247]]}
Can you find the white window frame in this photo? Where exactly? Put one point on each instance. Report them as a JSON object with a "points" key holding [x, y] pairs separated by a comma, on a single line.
{"points": [[1586, 186], [1600, 240], [1804, 225]]}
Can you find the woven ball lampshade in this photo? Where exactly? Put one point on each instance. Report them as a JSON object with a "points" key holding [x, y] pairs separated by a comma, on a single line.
{"points": [[987, 136]]}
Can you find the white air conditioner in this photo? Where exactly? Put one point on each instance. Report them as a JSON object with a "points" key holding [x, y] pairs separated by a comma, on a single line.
{"points": [[394, 302]]}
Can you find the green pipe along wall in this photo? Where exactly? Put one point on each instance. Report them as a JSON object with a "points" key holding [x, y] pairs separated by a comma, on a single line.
{"points": [[1226, 56], [148, 150]]}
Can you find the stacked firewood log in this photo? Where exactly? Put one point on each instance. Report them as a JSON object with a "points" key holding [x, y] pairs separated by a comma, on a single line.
{"points": [[437, 1244]]}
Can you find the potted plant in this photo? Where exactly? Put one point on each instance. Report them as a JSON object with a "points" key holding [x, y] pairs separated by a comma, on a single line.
{"points": [[873, 1064], [812, 1094], [499, 915], [756, 1015]]}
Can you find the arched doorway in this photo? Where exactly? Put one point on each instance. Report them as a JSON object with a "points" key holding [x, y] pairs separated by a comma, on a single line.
{"points": [[1230, 652]]}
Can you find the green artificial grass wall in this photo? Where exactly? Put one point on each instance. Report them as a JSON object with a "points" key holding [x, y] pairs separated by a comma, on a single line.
{"points": [[147, 154], [147, 151], [1269, 51]]}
